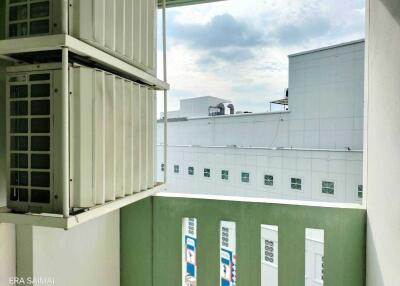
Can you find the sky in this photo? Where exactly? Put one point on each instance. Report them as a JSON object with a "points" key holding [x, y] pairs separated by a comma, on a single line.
{"points": [[238, 50]]}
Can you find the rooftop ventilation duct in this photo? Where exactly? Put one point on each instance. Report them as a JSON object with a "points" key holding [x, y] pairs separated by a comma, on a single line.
{"points": [[231, 108], [216, 110]]}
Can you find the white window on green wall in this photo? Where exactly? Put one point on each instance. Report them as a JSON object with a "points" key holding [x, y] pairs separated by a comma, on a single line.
{"points": [[268, 180], [245, 177], [360, 191], [207, 173], [328, 187], [295, 184], [225, 175], [189, 251], [176, 168], [191, 171]]}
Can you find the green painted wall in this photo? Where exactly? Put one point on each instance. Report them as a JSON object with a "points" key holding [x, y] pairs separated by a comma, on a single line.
{"points": [[136, 230], [344, 241]]}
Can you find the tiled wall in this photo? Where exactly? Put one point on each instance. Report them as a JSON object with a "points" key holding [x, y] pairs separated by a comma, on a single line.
{"points": [[312, 167]]}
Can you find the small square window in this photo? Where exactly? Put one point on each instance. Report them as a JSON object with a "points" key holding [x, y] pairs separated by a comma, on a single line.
{"points": [[225, 175], [162, 167], [176, 168], [207, 173], [191, 171], [328, 187], [295, 184], [360, 191], [245, 177], [268, 180]]}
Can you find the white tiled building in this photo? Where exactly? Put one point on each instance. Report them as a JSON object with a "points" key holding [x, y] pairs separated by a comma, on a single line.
{"points": [[312, 151]]}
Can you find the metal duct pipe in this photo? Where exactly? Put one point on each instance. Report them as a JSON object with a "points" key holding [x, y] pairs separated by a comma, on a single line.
{"points": [[231, 108], [221, 108]]}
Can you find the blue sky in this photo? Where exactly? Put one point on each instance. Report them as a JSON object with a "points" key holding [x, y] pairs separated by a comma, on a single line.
{"points": [[238, 49]]}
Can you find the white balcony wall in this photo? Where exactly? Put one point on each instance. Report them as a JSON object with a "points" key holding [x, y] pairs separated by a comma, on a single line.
{"points": [[86, 255], [7, 231], [382, 165]]}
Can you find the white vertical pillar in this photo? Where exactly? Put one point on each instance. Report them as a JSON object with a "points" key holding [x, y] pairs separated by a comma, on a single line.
{"points": [[65, 132], [64, 16], [165, 91], [382, 164]]}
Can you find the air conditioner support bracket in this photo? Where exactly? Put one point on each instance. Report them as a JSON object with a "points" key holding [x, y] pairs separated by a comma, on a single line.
{"points": [[58, 221], [13, 47]]}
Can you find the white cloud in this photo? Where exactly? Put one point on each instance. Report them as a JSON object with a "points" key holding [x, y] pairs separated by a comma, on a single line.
{"points": [[203, 62]]}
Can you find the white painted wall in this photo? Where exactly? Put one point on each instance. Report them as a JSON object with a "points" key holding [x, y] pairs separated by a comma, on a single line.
{"points": [[313, 167], [382, 167], [7, 252], [85, 255], [7, 231]]}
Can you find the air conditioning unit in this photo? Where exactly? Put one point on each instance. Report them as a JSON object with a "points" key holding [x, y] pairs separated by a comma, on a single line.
{"points": [[123, 28], [112, 137]]}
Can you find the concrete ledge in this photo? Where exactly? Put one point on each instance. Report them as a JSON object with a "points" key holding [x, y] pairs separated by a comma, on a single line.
{"points": [[58, 221], [261, 200], [56, 42]]}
